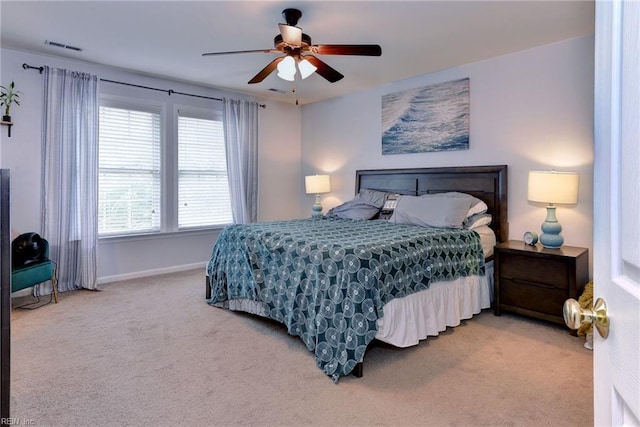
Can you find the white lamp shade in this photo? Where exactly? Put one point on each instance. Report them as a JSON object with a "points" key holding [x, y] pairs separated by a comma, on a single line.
{"points": [[553, 187], [316, 184], [306, 68], [287, 69]]}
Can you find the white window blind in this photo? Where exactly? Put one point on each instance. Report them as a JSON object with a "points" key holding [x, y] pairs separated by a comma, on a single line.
{"points": [[129, 171], [203, 189]]}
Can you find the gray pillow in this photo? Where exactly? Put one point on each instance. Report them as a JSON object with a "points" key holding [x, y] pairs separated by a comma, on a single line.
{"points": [[365, 205], [354, 209], [477, 205], [373, 197], [425, 211]]}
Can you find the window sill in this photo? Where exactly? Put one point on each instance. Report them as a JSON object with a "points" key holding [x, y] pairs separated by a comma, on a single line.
{"points": [[159, 235]]}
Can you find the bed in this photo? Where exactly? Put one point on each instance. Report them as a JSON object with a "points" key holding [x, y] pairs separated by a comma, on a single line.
{"points": [[340, 283]]}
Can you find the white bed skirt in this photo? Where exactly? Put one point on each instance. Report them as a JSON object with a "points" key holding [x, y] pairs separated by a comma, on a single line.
{"points": [[410, 319]]}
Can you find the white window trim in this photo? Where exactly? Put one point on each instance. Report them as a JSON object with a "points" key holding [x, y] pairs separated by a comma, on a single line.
{"points": [[169, 114]]}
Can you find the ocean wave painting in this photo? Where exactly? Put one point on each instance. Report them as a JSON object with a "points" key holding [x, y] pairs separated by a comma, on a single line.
{"points": [[431, 118]]}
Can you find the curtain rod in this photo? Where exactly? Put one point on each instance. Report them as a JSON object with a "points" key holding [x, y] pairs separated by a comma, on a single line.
{"points": [[168, 91]]}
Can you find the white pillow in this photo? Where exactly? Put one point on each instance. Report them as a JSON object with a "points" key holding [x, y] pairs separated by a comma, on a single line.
{"points": [[477, 220], [440, 212], [477, 205]]}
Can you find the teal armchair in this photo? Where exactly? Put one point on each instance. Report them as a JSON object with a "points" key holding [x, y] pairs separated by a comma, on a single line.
{"points": [[36, 271]]}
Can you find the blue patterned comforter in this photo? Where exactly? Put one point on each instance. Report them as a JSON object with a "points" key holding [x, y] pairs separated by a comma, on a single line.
{"points": [[327, 279]]}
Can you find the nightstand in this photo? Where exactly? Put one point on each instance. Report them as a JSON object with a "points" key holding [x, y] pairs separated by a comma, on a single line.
{"points": [[534, 281]]}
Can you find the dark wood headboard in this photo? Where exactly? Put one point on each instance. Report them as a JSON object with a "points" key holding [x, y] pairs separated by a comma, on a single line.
{"points": [[487, 183]]}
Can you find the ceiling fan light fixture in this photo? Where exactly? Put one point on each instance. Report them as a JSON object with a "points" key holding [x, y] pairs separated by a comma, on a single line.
{"points": [[287, 69], [298, 53], [306, 68]]}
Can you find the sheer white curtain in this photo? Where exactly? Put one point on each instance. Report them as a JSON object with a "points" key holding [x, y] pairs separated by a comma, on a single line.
{"points": [[70, 175], [240, 119]]}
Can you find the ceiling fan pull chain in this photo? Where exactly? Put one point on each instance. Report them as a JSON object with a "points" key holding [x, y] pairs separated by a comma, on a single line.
{"points": [[293, 90]]}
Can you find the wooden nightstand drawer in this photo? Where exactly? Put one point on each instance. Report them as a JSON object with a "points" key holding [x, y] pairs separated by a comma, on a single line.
{"points": [[532, 296], [549, 272], [534, 281]]}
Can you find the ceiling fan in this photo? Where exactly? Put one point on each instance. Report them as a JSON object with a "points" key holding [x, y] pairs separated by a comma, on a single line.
{"points": [[298, 53]]}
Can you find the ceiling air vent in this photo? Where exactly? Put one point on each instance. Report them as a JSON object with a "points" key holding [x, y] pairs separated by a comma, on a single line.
{"points": [[64, 46]]}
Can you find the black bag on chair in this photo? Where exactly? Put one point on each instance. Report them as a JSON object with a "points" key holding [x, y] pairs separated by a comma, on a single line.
{"points": [[26, 249]]}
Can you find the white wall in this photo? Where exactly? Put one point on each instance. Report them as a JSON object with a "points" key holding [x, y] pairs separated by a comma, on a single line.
{"points": [[121, 258], [530, 110]]}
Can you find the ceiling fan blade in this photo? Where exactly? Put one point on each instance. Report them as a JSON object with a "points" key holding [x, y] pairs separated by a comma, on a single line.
{"points": [[266, 70], [241, 51], [347, 49], [291, 35], [323, 69]]}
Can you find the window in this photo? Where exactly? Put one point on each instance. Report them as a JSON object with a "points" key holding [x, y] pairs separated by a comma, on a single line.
{"points": [[129, 179], [151, 181], [203, 188]]}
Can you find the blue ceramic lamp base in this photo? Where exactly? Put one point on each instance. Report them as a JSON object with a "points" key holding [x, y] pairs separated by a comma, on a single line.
{"points": [[316, 209], [551, 229]]}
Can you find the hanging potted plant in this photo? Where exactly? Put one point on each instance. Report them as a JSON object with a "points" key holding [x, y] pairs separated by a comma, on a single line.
{"points": [[8, 96]]}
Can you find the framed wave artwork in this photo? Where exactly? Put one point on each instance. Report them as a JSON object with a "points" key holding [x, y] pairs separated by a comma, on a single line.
{"points": [[426, 119]]}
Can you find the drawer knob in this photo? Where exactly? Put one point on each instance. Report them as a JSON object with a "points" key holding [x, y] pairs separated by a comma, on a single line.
{"points": [[575, 315]]}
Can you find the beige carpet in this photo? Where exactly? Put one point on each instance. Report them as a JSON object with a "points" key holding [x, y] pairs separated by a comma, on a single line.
{"points": [[151, 352]]}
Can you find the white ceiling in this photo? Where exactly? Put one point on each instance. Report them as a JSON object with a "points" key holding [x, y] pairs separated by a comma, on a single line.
{"points": [[167, 38]]}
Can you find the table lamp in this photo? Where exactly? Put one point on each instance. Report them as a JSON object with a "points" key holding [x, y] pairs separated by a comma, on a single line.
{"points": [[317, 184], [553, 187]]}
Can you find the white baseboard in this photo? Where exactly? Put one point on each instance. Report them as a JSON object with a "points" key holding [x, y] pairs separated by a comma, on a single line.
{"points": [[154, 272]]}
